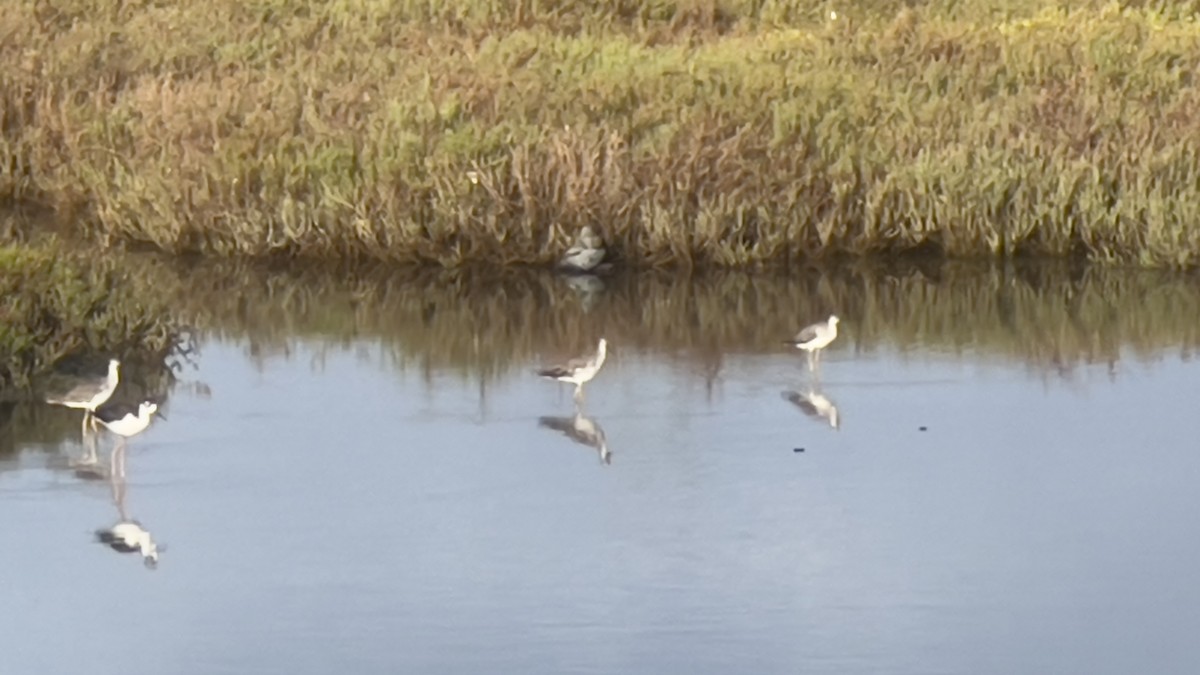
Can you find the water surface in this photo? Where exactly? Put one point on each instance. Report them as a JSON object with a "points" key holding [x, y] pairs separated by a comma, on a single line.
{"points": [[363, 476]]}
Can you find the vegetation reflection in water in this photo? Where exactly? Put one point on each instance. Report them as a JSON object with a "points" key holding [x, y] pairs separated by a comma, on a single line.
{"points": [[487, 324]]}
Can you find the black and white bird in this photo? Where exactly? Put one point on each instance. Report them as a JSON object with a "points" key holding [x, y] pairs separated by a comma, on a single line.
{"points": [[816, 337], [581, 429], [579, 370], [815, 405], [128, 536], [125, 420], [88, 394]]}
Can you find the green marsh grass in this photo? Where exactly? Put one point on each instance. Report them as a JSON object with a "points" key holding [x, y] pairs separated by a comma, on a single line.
{"points": [[704, 132]]}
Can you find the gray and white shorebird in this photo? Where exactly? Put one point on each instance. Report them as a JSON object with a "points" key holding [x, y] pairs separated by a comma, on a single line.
{"points": [[578, 371], [816, 337], [585, 255], [581, 429], [89, 394], [125, 420], [816, 405]]}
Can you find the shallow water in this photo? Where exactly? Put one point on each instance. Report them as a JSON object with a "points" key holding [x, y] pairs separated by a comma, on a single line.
{"points": [[345, 494]]}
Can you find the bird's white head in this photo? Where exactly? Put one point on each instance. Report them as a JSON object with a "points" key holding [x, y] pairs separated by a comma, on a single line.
{"points": [[833, 320], [147, 408], [113, 366]]}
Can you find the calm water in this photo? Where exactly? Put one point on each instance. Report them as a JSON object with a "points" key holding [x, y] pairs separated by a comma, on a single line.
{"points": [[349, 495]]}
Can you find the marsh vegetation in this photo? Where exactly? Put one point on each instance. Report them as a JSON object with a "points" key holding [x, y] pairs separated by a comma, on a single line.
{"points": [[717, 132]]}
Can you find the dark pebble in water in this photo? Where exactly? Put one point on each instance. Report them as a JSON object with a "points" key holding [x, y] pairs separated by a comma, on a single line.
{"points": [[797, 449], [922, 428]]}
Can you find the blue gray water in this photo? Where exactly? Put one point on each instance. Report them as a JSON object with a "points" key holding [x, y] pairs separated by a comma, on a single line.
{"points": [[329, 509]]}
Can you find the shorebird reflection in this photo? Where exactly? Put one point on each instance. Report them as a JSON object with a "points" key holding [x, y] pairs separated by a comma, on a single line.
{"points": [[581, 429], [126, 535], [588, 287], [815, 405], [88, 466]]}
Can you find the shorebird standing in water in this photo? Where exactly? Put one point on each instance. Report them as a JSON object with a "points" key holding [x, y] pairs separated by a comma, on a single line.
{"points": [[814, 338], [89, 394], [126, 421], [579, 370], [127, 535]]}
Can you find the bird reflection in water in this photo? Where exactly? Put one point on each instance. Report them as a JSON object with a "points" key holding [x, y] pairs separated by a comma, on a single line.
{"points": [[588, 287], [126, 535], [816, 405], [581, 429], [89, 466]]}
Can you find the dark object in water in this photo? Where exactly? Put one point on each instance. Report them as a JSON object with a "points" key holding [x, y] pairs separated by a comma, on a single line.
{"points": [[922, 428], [797, 449]]}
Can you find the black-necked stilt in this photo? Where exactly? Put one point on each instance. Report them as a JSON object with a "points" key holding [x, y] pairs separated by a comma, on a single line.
{"points": [[125, 420], [128, 536], [816, 405], [816, 337], [89, 394], [579, 370], [581, 429]]}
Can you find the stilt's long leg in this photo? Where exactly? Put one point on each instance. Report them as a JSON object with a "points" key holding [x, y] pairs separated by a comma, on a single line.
{"points": [[117, 478], [118, 458], [84, 426], [90, 444]]}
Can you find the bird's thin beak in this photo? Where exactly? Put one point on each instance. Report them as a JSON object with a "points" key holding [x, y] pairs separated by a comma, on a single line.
{"points": [[160, 416]]}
